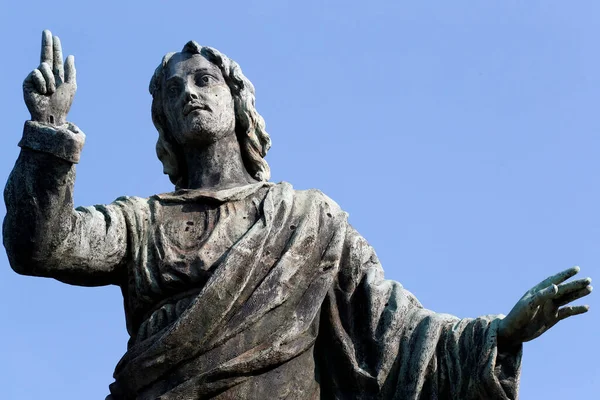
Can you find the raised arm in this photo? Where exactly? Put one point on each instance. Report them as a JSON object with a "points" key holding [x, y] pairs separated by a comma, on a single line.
{"points": [[42, 233]]}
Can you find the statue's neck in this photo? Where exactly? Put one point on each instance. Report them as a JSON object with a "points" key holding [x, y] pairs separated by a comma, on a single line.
{"points": [[216, 166]]}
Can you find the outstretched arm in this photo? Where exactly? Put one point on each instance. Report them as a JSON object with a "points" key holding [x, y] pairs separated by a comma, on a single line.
{"points": [[380, 340], [42, 233]]}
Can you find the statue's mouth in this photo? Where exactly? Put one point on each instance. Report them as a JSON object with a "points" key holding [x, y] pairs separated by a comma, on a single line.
{"points": [[194, 106]]}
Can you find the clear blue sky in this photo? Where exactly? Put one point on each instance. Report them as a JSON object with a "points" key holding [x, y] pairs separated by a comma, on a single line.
{"points": [[461, 136]]}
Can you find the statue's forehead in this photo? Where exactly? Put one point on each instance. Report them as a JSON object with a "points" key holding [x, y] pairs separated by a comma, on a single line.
{"points": [[182, 64]]}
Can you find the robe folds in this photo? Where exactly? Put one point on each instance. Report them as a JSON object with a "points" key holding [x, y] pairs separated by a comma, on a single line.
{"points": [[255, 292], [291, 305]]}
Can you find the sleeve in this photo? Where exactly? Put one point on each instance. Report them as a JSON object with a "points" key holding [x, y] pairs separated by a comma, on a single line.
{"points": [[43, 234], [381, 343]]}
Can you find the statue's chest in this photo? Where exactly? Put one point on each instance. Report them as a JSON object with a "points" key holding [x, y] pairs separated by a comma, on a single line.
{"points": [[190, 238], [184, 246]]}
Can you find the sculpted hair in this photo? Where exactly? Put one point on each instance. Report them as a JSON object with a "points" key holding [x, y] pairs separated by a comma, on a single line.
{"points": [[249, 125]]}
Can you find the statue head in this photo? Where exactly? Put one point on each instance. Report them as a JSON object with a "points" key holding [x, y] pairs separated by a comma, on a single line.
{"points": [[221, 100]]}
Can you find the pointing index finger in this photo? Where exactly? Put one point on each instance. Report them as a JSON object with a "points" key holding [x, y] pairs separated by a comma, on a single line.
{"points": [[46, 55]]}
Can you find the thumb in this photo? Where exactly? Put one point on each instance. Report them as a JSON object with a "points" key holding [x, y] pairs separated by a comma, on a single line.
{"points": [[543, 295]]}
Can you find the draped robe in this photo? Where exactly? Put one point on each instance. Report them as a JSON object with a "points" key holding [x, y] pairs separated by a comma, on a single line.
{"points": [[255, 292]]}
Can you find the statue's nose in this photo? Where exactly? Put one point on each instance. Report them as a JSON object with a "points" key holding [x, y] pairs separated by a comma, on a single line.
{"points": [[190, 94]]}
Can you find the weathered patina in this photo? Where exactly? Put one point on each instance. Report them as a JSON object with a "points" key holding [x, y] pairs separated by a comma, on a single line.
{"points": [[236, 287]]}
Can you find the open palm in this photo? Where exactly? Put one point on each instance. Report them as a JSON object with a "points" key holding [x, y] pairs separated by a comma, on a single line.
{"points": [[543, 306]]}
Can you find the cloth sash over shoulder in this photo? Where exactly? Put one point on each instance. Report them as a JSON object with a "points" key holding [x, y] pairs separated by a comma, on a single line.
{"points": [[267, 292]]}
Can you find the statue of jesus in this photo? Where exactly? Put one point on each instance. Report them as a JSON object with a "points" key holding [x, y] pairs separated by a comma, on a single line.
{"points": [[235, 287]]}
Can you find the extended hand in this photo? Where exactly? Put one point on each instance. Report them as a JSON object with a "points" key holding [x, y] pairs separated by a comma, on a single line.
{"points": [[541, 307], [49, 89]]}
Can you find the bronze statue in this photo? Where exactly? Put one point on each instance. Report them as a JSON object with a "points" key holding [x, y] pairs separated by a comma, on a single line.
{"points": [[236, 287]]}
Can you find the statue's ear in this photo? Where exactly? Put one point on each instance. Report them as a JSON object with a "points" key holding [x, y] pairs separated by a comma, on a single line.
{"points": [[168, 156]]}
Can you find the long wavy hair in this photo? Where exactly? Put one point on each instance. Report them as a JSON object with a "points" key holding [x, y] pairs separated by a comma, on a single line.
{"points": [[249, 125]]}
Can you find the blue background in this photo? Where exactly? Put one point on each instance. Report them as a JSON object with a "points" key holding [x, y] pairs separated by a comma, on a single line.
{"points": [[461, 137]]}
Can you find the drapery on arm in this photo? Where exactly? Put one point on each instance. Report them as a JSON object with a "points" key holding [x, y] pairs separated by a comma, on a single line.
{"points": [[378, 341], [42, 233]]}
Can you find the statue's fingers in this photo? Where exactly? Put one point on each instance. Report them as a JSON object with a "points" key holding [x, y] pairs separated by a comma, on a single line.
{"points": [[35, 81], [48, 77], [58, 68], [46, 55], [569, 287], [569, 311], [569, 297], [558, 278], [70, 72]]}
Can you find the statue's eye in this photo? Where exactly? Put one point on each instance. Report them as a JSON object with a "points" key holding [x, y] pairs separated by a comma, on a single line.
{"points": [[204, 80], [172, 91]]}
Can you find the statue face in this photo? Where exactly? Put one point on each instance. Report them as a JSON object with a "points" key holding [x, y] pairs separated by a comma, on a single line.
{"points": [[196, 100]]}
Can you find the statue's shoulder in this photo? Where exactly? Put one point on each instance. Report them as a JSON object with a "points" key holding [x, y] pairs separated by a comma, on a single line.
{"points": [[133, 201], [308, 196], [127, 203], [133, 205]]}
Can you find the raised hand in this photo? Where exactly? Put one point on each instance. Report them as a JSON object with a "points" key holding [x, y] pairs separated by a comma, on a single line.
{"points": [[541, 307], [49, 89]]}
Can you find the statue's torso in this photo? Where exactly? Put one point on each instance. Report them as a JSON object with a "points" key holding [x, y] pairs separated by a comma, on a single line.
{"points": [[184, 243], [213, 282]]}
